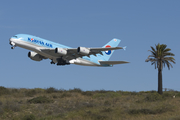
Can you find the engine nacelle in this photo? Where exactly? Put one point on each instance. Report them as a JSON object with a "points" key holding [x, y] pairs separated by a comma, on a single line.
{"points": [[83, 50], [35, 56], [61, 51]]}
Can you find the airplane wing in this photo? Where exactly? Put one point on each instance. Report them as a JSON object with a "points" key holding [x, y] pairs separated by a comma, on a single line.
{"points": [[112, 62], [73, 53], [98, 49]]}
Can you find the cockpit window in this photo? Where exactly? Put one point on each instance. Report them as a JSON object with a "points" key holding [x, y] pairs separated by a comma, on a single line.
{"points": [[15, 36]]}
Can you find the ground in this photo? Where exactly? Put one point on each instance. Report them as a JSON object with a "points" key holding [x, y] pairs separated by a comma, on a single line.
{"points": [[75, 104]]}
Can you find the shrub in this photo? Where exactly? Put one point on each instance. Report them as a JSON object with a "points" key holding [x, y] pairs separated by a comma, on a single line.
{"points": [[168, 94], [113, 94], [99, 95], [128, 93], [154, 110], [1, 111], [65, 95], [54, 96], [51, 90], [87, 104], [107, 110], [77, 90], [39, 90], [178, 94], [40, 99], [3, 90], [11, 106], [30, 93], [49, 112], [61, 90], [163, 108], [107, 95], [90, 105], [29, 117], [152, 91], [14, 90], [134, 93], [153, 97], [87, 93], [123, 92], [107, 103], [103, 91]]}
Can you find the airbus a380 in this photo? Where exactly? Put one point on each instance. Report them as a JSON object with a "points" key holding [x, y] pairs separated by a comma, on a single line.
{"points": [[63, 55]]}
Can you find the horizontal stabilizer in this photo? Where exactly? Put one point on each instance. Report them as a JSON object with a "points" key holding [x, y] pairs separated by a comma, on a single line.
{"points": [[112, 62], [107, 48]]}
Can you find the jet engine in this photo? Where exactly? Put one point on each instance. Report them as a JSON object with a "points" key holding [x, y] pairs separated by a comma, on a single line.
{"points": [[35, 56], [61, 51], [83, 50]]}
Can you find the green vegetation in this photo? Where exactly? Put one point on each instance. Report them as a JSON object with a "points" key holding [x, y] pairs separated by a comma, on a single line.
{"points": [[75, 104], [40, 99], [160, 56]]}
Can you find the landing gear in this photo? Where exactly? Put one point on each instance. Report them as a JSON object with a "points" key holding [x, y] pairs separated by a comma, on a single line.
{"points": [[52, 62], [13, 45], [62, 62]]}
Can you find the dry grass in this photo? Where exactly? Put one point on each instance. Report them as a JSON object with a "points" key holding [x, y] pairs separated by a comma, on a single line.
{"points": [[75, 104]]}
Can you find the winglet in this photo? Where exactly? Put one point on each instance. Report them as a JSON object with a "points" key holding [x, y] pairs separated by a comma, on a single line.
{"points": [[124, 48]]}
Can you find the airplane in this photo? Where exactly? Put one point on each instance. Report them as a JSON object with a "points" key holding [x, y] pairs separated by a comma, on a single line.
{"points": [[63, 55]]}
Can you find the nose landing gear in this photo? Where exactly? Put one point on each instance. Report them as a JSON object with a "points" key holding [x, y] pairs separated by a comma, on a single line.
{"points": [[12, 44]]}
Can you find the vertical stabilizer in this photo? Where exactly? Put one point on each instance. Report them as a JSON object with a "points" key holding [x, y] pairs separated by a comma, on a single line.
{"points": [[113, 43]]}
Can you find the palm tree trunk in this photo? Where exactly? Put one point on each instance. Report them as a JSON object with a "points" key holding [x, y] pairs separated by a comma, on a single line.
{"points": [[160, 79]]}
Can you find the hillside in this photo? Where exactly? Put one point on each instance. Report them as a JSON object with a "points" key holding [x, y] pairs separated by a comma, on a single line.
{"points": [[75, 104]]}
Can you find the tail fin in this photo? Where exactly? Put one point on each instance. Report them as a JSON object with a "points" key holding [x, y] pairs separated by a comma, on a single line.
{"points": [[113, 43]]}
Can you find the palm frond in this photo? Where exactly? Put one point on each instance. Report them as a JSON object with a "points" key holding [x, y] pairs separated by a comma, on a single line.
{"points": [[163, 47], [168, 64], [168, 54], [168, 58], [161, 56], [153, 49], [167, 49]]}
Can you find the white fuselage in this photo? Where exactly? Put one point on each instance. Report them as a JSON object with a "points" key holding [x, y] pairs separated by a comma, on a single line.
{"points": [[34, 47]]}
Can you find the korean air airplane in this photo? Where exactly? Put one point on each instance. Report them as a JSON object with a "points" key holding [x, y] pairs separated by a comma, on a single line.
{"points": [[63, 55]]}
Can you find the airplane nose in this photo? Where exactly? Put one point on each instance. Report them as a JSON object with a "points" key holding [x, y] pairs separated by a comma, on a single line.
{"points": [[11, 42], [11, 39]]}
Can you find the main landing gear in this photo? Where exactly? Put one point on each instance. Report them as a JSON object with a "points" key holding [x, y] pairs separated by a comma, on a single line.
{"points": [[52, 62], [60, 61]]}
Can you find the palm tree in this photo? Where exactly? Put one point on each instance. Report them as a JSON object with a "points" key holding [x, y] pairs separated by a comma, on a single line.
{"points": [[161, 57]]}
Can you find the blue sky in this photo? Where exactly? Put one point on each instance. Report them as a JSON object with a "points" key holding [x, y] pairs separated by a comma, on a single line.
{"points": [[138, 24]]}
